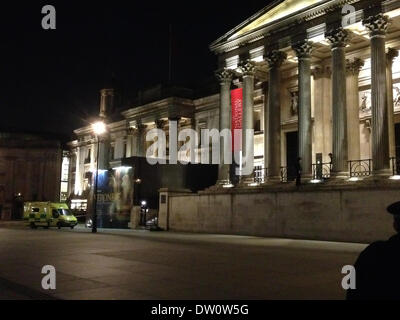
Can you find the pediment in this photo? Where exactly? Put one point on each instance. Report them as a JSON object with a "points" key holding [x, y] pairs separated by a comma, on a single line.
{"points": [[274, 12]]}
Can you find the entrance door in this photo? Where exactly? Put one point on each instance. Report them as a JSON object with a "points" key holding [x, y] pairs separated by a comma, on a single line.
{"points": [[291, 154], [397, 139]]}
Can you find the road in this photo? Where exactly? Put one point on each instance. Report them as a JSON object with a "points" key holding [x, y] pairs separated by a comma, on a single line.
{"points": [[140, 265]]}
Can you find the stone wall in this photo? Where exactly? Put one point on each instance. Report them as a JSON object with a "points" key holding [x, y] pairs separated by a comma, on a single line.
{"points": [[354, 214]]}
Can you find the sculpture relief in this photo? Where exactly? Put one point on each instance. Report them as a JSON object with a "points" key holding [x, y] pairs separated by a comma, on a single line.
{"points": [[396, 95], [365, 100], [294, 98]]}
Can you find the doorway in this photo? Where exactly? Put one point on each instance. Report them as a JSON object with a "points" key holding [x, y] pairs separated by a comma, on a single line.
{"points": [[397, 139], [291, 154]]}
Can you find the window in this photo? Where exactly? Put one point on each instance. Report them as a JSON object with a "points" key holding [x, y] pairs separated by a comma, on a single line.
{"points": [[111, 154], [88, 157], [64, 177], [80, 205], [257, 120], [55, 214], [202, 125], [64, 212]]}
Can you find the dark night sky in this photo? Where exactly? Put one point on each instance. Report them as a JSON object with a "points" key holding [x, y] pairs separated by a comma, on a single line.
{"points": [[50, 80]]}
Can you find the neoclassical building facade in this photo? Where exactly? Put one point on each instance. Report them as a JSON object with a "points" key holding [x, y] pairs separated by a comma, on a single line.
{"points": [[126, 131], [328, 73], [320, 86], [320, 80]]}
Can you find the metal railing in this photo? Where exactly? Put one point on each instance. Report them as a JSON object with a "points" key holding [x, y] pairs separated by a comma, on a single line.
{"points": [[360, 168], [288, 174], [260, 174], [321, 171], [284, 174]]}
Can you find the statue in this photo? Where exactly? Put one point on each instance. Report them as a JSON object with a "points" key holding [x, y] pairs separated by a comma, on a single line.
{"points": [[396, 101], [364, 100], [295, 102]]}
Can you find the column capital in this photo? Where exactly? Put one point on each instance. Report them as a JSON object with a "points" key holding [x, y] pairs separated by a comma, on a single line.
{"points": [[248, 68], [353, 66], [391, 54], [275, 58], [319, 72], [338, 37], [303, 49], [140, 126], [377, 25], [175, 118], [224, 76], [160, 124]]}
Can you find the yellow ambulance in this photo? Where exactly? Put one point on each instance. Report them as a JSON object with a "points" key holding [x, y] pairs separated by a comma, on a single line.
{"points": [[48, 214]]}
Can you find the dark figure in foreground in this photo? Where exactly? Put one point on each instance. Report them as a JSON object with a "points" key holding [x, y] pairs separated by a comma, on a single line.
{"points": [[378, 267]]}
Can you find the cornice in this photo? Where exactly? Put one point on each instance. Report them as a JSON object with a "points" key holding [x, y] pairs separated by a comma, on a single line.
{"points": [[313, 12], [154, 107]]}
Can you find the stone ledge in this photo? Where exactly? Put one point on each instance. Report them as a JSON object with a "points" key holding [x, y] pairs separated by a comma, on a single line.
{"points": [[334, 185]]}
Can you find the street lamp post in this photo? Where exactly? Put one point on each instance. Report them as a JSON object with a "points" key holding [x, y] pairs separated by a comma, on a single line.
{"points": [[99, 128]]}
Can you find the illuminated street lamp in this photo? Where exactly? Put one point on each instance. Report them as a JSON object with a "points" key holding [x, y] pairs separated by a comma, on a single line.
{"points": [[98, 128]]}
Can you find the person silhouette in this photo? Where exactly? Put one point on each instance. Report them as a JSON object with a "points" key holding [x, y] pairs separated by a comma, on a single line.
{"points": [[378, 267]]}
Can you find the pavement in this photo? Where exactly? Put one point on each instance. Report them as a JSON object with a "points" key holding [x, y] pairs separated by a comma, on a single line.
{"points": [[142, 265]]}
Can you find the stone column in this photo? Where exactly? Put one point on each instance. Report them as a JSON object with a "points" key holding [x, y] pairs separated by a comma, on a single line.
{"points": [[78, 173], [93, 153], [248, 70], [225, 80], [272, 119], [160, 124], [377, 26], [140, 140], [353, 68], [323, 111], [391, 54], [303, 51], [129, 143], [173, 155], [338, 39]]}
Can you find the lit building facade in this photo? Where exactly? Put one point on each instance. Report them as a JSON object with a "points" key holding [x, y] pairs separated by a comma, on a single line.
{"points": [[320, 85], [319, 77], [126, 135]]}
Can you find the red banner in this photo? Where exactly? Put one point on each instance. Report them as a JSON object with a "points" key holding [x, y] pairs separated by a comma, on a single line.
{"points": [[237, 107]]}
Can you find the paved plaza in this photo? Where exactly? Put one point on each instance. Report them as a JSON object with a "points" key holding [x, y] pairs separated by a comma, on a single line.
{"points": [[127, 264]]}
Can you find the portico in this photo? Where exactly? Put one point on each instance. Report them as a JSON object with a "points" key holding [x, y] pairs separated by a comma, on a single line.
{"points": [[317, 68]]}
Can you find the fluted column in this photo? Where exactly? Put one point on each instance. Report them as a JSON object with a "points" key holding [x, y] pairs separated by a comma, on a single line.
{"points": [[173, 155], [160, 124], [377, 26], [303, 51], [248, 70], [323, 111], [272, 118], [391, 54], [338, 39], [225, 80], [140, 144], [130, 143], [78, 173], [353, 68]]}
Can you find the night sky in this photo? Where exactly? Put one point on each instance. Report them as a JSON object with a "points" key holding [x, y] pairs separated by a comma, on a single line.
{"points": [[50, 79]]}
